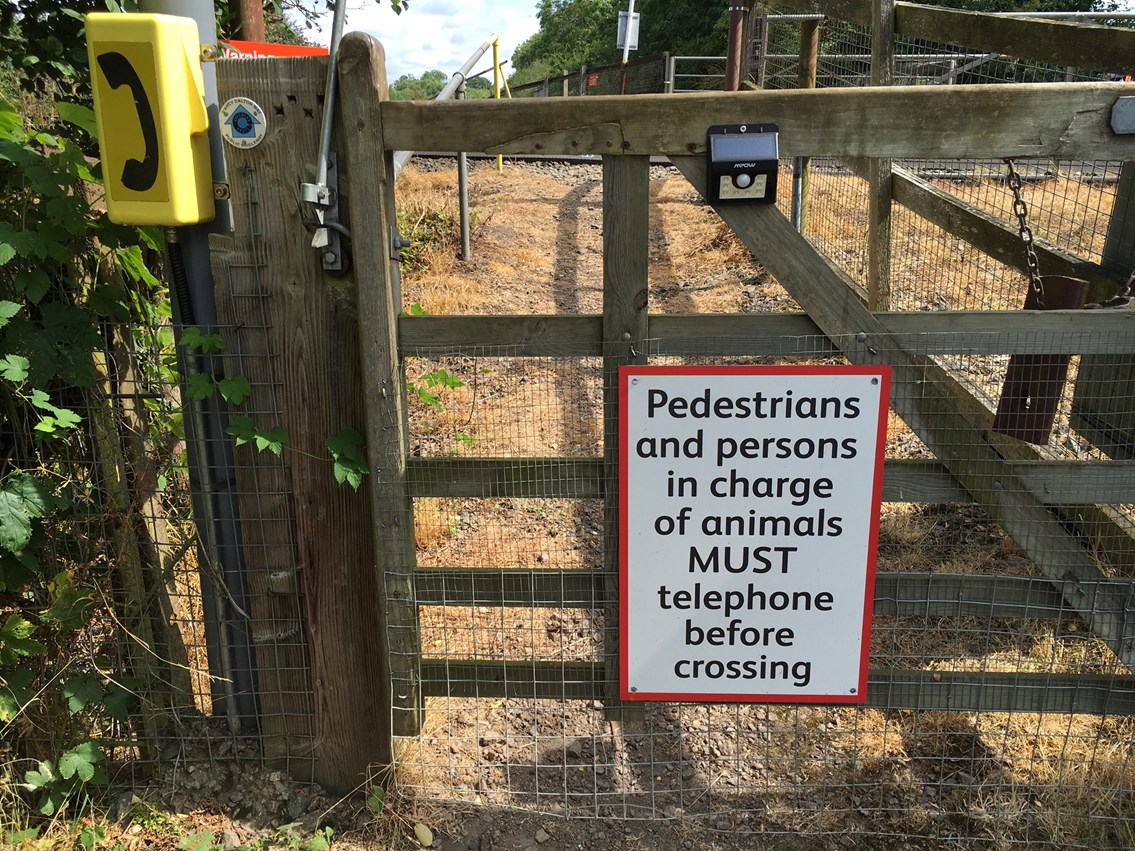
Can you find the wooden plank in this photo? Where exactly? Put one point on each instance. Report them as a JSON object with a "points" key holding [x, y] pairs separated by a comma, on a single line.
{"points": [[626, 259], [362, 81], [1067, 121], [508, 336], [879, 170], [806, 79], [897, 594], [886, 689], [703, 335], [928, 407], [1054, 482], [569, 589], [279, 324], [1084, 46], [992, 235]]}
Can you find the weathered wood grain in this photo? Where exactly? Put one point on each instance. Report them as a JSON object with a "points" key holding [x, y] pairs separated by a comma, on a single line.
{"points": [[1064, 121], [1075, 45], [897, 594], [1079, 45], [886, 688], [1054, 482], [389, 589], [984, 332], [626, 259]]}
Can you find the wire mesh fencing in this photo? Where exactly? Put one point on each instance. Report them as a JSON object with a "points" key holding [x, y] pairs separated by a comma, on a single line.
{"points": [[971, 638]]}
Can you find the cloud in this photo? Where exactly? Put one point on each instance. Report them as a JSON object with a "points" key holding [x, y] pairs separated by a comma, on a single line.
{"points": [[438, 34]]}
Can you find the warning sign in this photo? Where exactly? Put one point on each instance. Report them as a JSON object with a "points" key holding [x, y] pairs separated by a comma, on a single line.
{"points": [[750, 508]]}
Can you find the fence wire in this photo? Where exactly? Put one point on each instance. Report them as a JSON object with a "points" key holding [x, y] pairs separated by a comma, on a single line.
{"points": [[957, 600]]}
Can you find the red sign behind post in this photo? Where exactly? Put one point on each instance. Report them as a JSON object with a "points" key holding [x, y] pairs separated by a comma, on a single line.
{"points": [[749, 505], [233, 49]]}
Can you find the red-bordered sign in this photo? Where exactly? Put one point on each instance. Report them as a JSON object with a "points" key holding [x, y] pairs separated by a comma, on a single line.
{"points": [[233, 49], [749, 508]]}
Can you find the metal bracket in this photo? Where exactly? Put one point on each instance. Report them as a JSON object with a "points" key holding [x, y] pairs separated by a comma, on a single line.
{"points": [[1123, 116], [328, 238], [397, 243]]}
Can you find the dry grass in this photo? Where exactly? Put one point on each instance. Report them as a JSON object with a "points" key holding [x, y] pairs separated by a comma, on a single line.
{"points": [[986, 779]]}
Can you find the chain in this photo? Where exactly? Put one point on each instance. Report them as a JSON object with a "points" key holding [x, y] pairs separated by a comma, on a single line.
{"points": [[1021, 210]]}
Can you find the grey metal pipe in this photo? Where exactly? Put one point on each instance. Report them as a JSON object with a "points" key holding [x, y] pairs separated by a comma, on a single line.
{"points": [[798, 193], [458, 79], [329, 90], [232, 661], [463, 190]]}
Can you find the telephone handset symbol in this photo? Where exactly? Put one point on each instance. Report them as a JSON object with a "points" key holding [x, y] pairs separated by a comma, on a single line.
{"points": [[137, 175]]}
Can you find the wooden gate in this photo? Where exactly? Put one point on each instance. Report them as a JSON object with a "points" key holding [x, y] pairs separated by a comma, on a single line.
{"points": [[313, 357]]}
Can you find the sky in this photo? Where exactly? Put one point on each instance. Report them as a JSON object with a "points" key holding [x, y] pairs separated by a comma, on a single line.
{"points": [[438, 33]]}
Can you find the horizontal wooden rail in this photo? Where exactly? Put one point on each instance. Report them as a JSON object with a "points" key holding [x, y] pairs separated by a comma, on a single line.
{"points": [[1061, 43], [897, 594], [1056, 482], [784, 334], [1067, 121], [887, 688]]}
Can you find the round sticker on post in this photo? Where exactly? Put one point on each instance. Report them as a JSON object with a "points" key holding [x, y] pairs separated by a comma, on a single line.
{"points": [[243, 124]]}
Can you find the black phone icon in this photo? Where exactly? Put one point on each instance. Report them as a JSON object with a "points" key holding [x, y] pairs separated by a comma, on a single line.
{"points": [[138, 175]]}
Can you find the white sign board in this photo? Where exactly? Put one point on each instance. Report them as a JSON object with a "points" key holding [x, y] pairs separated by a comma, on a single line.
{"points": [[749, 501], [623, 35]]}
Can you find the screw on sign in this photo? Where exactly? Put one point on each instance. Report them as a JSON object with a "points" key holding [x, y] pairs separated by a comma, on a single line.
{"points": [[243, 124]]}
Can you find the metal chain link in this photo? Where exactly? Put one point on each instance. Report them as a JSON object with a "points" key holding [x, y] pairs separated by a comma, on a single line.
{"points": [[1021, 210]]}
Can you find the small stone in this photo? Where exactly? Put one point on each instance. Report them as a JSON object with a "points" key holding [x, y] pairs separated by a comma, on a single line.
{"points": [[424, 835], [542, 836], [229, 839]]}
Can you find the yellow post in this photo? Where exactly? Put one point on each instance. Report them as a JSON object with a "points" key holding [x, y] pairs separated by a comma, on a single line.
{"points": [[497, 86]]}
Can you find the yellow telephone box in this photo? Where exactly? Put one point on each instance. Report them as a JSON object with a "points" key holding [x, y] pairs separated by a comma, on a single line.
{"points": [[152, 123]]}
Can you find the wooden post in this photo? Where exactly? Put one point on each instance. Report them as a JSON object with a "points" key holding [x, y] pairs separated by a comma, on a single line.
{"points": [[762, 50], [806, 79], [626, 230], [292, 330], [362, 79], [565, 83], [879, 178]]}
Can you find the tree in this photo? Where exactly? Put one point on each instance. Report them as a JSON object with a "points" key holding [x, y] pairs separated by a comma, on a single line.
{"points": [[572, 33], [425, 87]]}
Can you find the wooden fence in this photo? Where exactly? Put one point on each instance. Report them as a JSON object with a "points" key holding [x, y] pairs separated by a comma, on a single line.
{"points": [[333, 352]]}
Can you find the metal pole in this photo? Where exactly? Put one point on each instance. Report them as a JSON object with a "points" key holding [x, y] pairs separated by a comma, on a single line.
{"points": [[738, 12], [626, 48], [211, 462], [463, 190], [497, 86]]}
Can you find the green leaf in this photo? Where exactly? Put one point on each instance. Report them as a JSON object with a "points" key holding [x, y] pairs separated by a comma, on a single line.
{"points": [[18, 836], [235, 390], [16, 692], [192, 338], [34, 283], [22, 499], [201, 841], [81, 116], [16, 641], [16, 569], [11, 122], [418, 310], [81, 691], [272, 439], [442, 378], [376, 799], [109, 301], [8, 309], [349, 454], [80, 762], [70, 608], [243, 429], [40, 777], [14, 368], [199, 386], [118, 701], [7, 252]]}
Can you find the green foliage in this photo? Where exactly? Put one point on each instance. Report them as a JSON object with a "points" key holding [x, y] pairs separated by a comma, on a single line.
{"points": [[425, 87], [572, 33], [79, 767], [348, 451]]}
